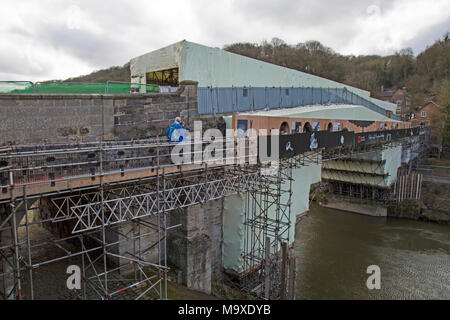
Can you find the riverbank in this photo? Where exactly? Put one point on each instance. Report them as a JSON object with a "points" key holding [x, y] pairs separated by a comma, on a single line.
{"points": [[436, 191], [409, 209], [349, 204], [436, 202]]}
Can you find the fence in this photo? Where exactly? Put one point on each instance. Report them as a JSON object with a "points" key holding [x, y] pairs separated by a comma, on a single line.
{"points": [[213, 100], [408, 186], [110, 87]]}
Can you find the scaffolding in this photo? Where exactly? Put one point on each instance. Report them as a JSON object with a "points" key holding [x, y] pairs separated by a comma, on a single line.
{"points": [[407, 184], [110, 202], [267, 227], [268, 257]]}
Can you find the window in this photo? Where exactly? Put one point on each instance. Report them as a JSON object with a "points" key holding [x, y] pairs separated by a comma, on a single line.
{"points": [[287, 92], [336, 126], [245, 92], [316, 125], [423, 114], [242, 124], [399, 102]]}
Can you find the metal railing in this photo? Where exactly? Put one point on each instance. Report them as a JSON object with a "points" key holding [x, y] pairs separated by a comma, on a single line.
{"points": [[38, 165]]}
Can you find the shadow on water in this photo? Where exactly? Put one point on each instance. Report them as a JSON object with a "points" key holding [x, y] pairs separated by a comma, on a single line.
{"points": [[334, 249]]}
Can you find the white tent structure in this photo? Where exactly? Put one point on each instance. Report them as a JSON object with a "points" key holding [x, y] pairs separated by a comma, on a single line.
{"points": [[213, 67]]}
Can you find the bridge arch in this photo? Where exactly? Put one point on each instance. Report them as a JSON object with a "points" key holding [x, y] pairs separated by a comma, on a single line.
{"points": [[284, 128], [330, 127], [307, 127]]}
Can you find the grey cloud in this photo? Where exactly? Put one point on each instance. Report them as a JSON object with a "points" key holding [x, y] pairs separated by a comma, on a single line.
{"points": [[129, 29], [428, 37], [330, 22], [92, 48], [311, 14]]}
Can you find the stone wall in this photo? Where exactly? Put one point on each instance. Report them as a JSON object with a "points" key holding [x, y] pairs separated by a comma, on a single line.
{"points": [[146, 115], [351, 205], [145, 247], [36, 118]]}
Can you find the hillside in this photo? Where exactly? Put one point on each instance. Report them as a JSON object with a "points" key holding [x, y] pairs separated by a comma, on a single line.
{"points": [[113, 73]]}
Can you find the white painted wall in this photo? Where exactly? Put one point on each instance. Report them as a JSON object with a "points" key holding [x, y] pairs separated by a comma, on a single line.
{"points": [[234, 208]]}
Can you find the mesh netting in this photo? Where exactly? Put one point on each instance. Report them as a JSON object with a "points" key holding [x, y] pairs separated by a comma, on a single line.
{"points": [[23, 87], [16, 87]]}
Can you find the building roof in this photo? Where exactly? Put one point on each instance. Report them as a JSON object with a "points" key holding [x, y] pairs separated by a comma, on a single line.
{"points": [[387, 93], [334, 111], [429, 103]]}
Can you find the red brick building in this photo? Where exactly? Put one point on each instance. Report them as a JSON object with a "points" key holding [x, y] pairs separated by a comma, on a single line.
{"points": [[400, 97], [430, 115]]}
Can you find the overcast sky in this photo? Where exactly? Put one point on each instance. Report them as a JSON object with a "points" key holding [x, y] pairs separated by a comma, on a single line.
{"points": [[57, 39]]}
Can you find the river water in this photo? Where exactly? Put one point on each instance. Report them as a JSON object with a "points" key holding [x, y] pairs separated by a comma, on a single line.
{"points": [[334, 249]]}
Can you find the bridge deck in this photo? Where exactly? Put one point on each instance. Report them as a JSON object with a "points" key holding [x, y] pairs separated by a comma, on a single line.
{"points": [[39, 170]]}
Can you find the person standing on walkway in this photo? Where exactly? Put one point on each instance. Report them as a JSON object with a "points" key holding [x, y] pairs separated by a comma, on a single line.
{"points": [[175, 132]]}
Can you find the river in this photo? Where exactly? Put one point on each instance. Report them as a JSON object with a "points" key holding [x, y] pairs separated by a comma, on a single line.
{"points": [[334, 249]]}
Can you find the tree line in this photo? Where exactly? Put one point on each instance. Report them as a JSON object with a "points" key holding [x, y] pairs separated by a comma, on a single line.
{"points": [[423, 75]]}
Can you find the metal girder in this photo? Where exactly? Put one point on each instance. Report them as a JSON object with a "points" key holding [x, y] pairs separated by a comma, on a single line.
{"points": [[88, 215]]}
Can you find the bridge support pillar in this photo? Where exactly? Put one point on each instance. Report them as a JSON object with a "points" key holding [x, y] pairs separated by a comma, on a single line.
{"points": [[195, 247]]}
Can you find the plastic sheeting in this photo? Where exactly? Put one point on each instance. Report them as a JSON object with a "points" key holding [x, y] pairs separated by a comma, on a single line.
{"points": [[214, 100]]}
